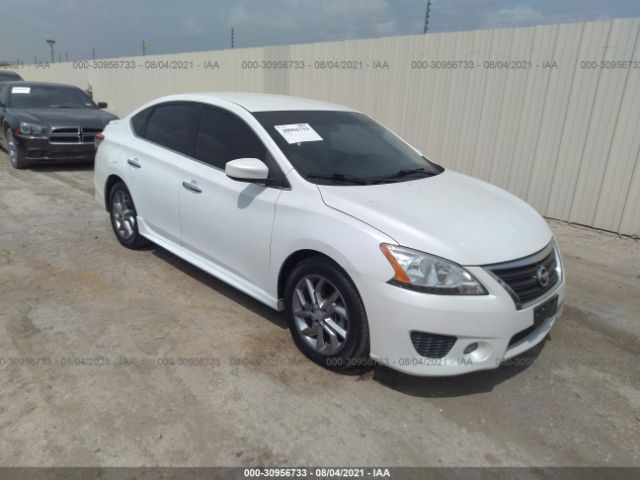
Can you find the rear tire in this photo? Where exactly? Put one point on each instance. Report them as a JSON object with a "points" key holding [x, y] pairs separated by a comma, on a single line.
{"points": [[124, 219], [326, 316], [15, 156]]}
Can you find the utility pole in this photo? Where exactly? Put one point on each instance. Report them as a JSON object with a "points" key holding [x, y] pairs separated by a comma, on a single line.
{"points": [[144, 48], [232, 39], [51, 44], [426, 16], [93, 53]]}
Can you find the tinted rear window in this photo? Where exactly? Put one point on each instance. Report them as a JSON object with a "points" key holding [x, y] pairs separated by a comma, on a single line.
{"points": [[139, 122]]}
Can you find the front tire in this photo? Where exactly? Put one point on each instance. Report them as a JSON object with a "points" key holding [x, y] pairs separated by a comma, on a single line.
{"points": [[15, 156], [326, 316], [124, 217]]}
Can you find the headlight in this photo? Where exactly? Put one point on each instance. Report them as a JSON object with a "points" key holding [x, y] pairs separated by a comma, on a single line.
{"points": [[31, 129], [420, 271], [559, 265]]}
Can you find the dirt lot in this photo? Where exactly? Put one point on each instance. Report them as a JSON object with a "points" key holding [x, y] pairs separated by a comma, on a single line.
{"points": [[69, 292]]}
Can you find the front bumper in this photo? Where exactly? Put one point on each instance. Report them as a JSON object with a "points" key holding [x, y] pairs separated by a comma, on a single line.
{"points": [[40, 150], [490, 320]]}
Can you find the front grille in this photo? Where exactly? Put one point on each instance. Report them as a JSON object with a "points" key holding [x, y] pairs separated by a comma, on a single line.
{"points": [[523, 278], [73, 135], [65, 135], [89, 134], [431, 345]]}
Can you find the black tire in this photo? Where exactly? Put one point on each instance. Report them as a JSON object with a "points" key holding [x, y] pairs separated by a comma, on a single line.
{"points": [[15, 156], [119, 194], [353, 355]]}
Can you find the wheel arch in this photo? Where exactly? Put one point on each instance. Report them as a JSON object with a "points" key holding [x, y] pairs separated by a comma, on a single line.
{"points": [[7, 122], [108, 185], [298, 256], [6, 125]]}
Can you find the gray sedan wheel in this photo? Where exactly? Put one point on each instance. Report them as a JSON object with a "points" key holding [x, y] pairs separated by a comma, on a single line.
{"points": [[320, 314], [326, 315], [123, 214], [124, 217]]}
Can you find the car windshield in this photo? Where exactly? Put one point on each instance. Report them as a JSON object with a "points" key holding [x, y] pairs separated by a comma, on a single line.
{"points": [[44, 96], [344, 148]]}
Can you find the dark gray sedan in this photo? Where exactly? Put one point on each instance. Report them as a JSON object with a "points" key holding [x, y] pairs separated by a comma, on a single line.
{"points": [[42, 123]]}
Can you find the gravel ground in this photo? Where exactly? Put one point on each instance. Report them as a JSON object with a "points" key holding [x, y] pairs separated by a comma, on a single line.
{"points": [[69, 291]]}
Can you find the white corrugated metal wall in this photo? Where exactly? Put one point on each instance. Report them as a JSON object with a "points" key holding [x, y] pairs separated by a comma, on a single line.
{"points": [[560, 133]]}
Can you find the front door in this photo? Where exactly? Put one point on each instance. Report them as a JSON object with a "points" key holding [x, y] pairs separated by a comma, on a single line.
{"points": [[226, 221]]}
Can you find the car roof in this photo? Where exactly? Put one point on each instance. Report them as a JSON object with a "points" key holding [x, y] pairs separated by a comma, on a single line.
{"points": [[258, 102], [22, 83]]}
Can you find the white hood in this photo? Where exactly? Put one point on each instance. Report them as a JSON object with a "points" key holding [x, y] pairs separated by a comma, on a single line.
{"points": [[450, 215]]}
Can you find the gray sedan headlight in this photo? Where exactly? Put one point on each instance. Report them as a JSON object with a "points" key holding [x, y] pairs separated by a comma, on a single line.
{"points": [[32, 129], [417, 270]]}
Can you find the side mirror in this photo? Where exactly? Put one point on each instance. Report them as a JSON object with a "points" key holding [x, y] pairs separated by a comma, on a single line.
{"points": [[247, 170], [102, 105]]}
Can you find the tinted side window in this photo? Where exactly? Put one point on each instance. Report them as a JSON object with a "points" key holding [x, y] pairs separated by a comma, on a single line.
{"points": [[222, 138], [171, 126], [139, 122]]}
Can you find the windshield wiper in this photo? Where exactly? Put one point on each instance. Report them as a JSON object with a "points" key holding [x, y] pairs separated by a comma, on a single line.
{"points": [[406, 173], [340, 177]]}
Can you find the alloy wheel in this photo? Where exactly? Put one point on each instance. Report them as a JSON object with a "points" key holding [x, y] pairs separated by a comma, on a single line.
{"points": [[123, 214], [12, 148], [320, 314]]}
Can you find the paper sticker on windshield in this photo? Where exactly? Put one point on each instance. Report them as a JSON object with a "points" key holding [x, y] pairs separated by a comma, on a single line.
{"points": [[26, 90], [298, 132]]}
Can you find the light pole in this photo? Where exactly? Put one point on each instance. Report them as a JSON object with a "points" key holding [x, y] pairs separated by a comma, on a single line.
{"points": [[51, 44], [426, 16]]}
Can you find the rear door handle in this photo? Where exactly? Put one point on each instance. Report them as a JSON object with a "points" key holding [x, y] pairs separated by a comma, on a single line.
{"points": [[134, 162], [192, 186]]}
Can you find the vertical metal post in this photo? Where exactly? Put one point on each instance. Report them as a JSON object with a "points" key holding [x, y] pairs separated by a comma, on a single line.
{"points": [[426, 16]]}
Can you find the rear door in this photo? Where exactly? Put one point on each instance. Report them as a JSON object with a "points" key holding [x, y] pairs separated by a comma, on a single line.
{"points": [[164, 136], [223, 220]]}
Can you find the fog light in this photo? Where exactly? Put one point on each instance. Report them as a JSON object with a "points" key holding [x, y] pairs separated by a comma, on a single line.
{"points": [[470, 348]]}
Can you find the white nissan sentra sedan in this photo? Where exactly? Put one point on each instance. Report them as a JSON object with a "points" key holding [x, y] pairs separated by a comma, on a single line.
{"points": [[372, 250]]}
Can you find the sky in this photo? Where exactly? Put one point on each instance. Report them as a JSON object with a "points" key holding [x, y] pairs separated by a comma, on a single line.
{"points": [[117, 28]]}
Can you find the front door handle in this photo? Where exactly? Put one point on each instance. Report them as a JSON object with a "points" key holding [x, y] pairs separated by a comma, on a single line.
{"points": [[134, 162], [192, 186]]}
